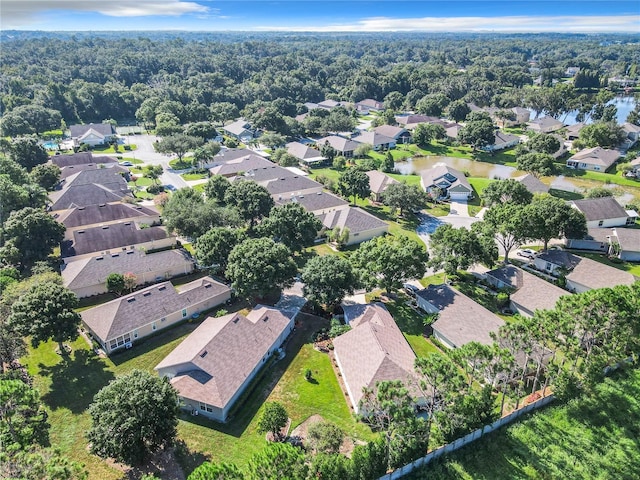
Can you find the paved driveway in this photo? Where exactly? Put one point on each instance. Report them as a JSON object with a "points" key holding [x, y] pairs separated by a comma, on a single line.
{"points": [[148, 155], [459, 215]]}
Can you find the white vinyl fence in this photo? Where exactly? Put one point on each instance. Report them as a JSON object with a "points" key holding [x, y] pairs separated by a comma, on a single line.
{"points": [[469, 438]]}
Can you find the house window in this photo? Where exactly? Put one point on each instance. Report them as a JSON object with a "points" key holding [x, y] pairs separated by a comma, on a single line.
{"points": [[184, 312], [600, 223], [163, 319], [549, 267], [596, 168], [135, 334], [153, 326]]}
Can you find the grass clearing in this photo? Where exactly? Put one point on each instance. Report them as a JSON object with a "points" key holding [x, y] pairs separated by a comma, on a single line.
{"points": [[193, 176], [595, 436]]}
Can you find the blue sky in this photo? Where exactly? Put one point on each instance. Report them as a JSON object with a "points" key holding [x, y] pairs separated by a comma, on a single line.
{"points": [[311, 15]]}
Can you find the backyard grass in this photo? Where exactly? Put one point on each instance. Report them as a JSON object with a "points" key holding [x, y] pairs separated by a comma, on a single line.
{"points": [[596, 436], [193, 176], [436, 279], [478, 184]]}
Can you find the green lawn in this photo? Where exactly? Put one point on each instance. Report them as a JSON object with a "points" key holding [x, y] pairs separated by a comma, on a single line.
{"points": [[478, 184], [142, 182], [67, 389], [596, 436], [436, 279], [193, 176], [178, 164]]}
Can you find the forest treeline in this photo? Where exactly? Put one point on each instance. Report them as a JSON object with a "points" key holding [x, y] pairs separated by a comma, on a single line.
{"points": [[206, 77]]}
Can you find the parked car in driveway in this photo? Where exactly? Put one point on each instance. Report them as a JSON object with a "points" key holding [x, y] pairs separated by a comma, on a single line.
{"points": [[526, 253], [126, 164]]}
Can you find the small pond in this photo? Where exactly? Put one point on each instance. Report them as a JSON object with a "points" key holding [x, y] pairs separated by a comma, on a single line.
{"points": [[475, 168]]}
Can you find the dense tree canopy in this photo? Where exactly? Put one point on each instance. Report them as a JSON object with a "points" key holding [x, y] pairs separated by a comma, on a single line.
{"points": [[252, 201], [327, 280], [133, 417], [291, 225], [455, 248], [213, 248]]}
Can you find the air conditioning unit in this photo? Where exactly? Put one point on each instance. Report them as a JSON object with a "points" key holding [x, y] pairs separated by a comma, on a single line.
{"points": [[128, 345], [195, 413]]}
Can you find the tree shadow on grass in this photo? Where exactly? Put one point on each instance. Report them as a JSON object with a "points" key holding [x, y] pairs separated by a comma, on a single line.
{"points": [[263, 384], [75, 381]]}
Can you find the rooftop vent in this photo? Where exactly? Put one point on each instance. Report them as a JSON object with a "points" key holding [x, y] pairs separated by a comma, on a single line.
{"points": [[113, 255], [102, 205], [105, 227], [163, 288], [204, 354], [208, 285], [131, 300], [99, 258], [146, 294]]}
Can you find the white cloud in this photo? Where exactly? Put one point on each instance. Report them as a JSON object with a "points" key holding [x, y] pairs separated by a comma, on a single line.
{"points": [[563, 24], [16, 13]]}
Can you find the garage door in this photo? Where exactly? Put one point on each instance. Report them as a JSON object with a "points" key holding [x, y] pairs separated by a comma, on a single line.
{"points": [[458, 195]]}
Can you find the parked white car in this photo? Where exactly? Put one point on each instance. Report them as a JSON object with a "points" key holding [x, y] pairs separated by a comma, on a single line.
{"points": [[526, 253]]}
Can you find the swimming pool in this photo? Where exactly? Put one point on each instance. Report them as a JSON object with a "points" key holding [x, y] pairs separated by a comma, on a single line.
{"points": [[50, 145]]}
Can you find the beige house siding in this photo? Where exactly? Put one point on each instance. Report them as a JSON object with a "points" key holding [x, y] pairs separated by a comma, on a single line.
{"points": [[576, 287], [608, 222], [152, 245], [360, 237]]}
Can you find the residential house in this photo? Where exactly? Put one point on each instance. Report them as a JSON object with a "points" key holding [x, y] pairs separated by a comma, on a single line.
{"points": [[452, 129], [530, 293], [80, 158], [632, 132], [240, 130], [376, 140], [460, 319], [213, 366], [361, 225], [373, 351], [555, 262], [342, 146], [105, 214], [596, 239], [294, 185], [532, 184], [442, 181], [589, 275], [318, 203], [597, 159], [625, 244], [411, 121], [236, 165], [545, 125], [89, 187], [88, 276], [305, 154], [501, 141], [520, 115], [92, 134], [368, 105], [378, 183], [603, 212], [571, 71], [635, 168], [399, 134], [331, 104], [66, 172], [523, 115], [121, 322], [573, 131], [114, 238]]}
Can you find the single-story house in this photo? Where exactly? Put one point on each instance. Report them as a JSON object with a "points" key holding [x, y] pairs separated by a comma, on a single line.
{"points": [[442, 181], [305, 154], [460, 319], [399, 134], [545, 125], [554, 262], [635, 167], [289, 186], [331, 104], [317, 203], [378, 183], [413, 120], [532, 184], [80, 158], [240, 130], [531, 292], [573, 131], [376, 140], [597, 159], [89, 187], [373, 351], [88, 276], [121, 322], [92, 134], [361, 225], [523, 115], [66, 172], [596, 239], [603, 212], [632, 132], [364, 107], [105, 214], [230, 167], [501, 141], [114, 238], [213, 366], [589, 275], [625, 243], [343, 146], [452, 129]]}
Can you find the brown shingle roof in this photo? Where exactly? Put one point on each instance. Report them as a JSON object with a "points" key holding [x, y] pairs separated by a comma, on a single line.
{"points": [[461, 320], [596, 156], [379, 181], [532, 184], [373, 351], [221, 353], [140, 308], [353, 218]]}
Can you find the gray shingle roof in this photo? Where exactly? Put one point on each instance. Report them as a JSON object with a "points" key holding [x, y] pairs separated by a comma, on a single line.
{"points": [[66, 172], [353, 218], [373, 138], [374, 350], [596, 156], [461, 320], [532, 292], [439, 175], [84, 195], [92, 271], [339, 144], [234, 164], [81, 158], [222, 352], [390, 131], [594, 275], [628, 239], [304, 152], [532, 184], [103, 213], [316, 202], [101, 128], [140, 308], [379, 181], [600, 208], [559, 257], [108, 237], [291, 184]]}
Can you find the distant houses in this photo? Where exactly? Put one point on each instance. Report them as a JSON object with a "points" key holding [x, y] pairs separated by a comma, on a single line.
{"points": [[532, 184], [545, 125], [119, 323], [213, 366], [92, 134], [240, 130]]}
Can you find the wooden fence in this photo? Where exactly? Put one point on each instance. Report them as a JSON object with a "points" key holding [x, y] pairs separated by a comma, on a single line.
{"points": [[469, 438]]}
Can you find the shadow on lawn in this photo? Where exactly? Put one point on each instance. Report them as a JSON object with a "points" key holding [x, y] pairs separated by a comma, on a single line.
{"points": [[262, 386], [75, 381]]}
